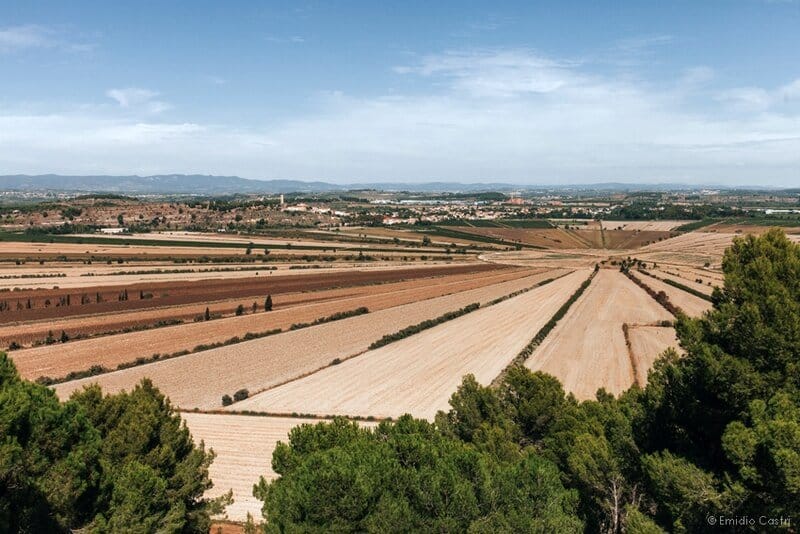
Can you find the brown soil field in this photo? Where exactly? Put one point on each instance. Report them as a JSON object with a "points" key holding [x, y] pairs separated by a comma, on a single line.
{"points": [[49, 304], [109, 351], [583, 238], [658, 226], [256, 240], [244, 446], [624, 239], [418, 374], [200, 379], [693, 249], [27, 333], [553, 238], [690, 304], [406, 236], [647, 344], [587, 349]]}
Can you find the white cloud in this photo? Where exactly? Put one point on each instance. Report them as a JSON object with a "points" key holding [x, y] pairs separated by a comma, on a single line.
{"points": [[760, 99], [509, 115], [134, 97], [33, 36], [496, 73]]}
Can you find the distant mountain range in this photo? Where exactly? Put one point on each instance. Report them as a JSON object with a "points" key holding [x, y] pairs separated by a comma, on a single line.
{"points": [[199, 184]]}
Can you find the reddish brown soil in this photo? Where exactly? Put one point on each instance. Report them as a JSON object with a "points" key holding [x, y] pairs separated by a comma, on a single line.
{"points": [[52, 303], [85, 326]]}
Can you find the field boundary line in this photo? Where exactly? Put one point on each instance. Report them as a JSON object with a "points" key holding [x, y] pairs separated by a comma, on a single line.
{"points": [[631, 356], [540, 336]]}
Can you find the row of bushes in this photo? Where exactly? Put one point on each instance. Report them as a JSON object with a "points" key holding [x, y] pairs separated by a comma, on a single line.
{"points": [[240, 395], [424, 325], [659, 296], [498, 300], [335, 317], [688, 289]]}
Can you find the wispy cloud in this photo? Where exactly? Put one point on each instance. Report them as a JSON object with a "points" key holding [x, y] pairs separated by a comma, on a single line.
{"points": [[492, 73], [134, 97], [33, 36], [761, 99], [292, 39]]}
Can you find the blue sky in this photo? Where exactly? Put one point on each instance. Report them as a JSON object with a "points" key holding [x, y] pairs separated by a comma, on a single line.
{"points": [[522, 92]]}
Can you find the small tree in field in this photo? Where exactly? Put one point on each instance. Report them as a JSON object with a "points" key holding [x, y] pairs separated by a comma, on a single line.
{"points": [[255, 307], [207, 315], [64, 337], [227, 400], [239, 310], [268, 303]]}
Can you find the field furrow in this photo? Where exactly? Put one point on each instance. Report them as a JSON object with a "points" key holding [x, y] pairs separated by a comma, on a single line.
{"points": [[690, 304]]}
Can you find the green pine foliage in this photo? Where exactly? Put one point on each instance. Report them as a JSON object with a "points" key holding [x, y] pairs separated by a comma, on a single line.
{"points": [[119, 463]]}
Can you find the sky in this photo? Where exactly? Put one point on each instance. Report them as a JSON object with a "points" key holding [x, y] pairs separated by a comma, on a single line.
{"points": [[697, 92]]}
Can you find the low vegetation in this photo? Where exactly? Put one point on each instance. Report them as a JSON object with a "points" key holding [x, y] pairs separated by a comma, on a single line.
{"points": [[424, 325]]}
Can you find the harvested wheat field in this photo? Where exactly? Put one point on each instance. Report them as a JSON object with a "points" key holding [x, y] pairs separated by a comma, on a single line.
{"points": [[199, 380], [647, 344], [57, 360], [83, 326], [587, 349], [691, 305], [418, 374], [553, 259], [656, 226]]}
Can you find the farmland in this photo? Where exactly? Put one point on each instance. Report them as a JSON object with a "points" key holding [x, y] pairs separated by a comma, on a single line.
{"points": [[647, 343], [418, 374], [365, 322], [258, 364], [598, 357]]}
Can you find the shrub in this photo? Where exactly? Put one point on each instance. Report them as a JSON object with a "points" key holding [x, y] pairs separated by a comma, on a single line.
{"points": [[240, 395], [227, 400]]}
